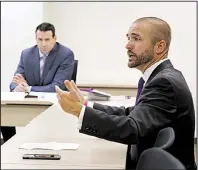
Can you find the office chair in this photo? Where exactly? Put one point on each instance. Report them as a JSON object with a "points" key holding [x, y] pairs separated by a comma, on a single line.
{"points": [[157, 158], [74, 74], [165, 138]]}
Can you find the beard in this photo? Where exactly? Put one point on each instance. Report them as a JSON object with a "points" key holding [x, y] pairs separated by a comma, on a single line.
{"points": [[143, 58]]}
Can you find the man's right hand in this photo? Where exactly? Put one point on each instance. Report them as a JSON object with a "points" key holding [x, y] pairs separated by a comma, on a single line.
{"points": [[75, 92], [18, 78]]}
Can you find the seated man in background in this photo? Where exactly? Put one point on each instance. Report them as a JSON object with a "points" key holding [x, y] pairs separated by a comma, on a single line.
{"points": [[41, 67], [163, 99]]}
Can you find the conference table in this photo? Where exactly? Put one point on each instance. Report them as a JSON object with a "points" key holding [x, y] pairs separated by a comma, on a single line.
{"points": [[54, 125], [16, 110]]}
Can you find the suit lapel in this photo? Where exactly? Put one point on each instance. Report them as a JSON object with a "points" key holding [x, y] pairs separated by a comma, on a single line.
{"points": [[49, 61], [36, 61]]}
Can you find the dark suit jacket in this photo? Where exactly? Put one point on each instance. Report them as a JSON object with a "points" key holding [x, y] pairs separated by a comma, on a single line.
{"points": [[58, 67], [165, 101]]}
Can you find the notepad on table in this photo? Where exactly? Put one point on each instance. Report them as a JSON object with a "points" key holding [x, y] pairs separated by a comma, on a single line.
{"points": [[93, 94]]}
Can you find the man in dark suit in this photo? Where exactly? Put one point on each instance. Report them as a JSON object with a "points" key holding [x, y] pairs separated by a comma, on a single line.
{"points": [[163, 99], [41, 67]]}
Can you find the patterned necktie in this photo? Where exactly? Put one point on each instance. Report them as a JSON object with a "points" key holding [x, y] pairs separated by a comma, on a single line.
{"points": [[140, 88], [42, 63]]}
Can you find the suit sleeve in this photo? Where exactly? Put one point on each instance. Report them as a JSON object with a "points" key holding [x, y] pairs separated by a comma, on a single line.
{"points": [[19, 70], [63, 73], [156, 109], [120, 111]]}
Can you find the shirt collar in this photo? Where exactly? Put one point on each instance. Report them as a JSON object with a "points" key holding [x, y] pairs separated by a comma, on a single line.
{"points": [[149, 70], [41, 54]]}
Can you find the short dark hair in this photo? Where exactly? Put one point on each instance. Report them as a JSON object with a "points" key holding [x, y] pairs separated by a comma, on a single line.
{"points": [[46, 27], [161, 30]]}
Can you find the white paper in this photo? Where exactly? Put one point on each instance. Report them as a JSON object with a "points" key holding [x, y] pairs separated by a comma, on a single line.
{"points": [[46, 96], [51, 146], [12, 96], [51, 97]]}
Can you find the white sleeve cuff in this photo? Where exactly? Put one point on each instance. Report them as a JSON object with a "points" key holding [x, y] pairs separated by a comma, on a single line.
{"points": [[80, 119], [29, 90], [82, 112], [90, 104]]}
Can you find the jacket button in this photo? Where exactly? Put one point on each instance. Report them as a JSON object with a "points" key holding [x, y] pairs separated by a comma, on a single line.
{"points": [[87, 128]]}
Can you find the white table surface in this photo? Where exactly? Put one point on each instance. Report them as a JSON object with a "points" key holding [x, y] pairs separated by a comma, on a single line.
{"points": [[16, 110], [55, 125]]}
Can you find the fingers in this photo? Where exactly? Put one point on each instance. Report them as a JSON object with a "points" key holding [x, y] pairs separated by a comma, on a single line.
{"points": [[24, 84], [76, 88], [15, 81], [58, 90], [58, 94], [21, 88], [74, 85], [62, 96], [16, 78], [69, 86], [19, 76]]}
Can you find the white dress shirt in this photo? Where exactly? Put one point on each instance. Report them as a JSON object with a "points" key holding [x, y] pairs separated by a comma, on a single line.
{"points": [[146, 76]]}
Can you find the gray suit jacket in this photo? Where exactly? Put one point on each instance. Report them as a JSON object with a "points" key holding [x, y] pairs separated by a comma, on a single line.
{"points": [[165, 101], [58, 67]]}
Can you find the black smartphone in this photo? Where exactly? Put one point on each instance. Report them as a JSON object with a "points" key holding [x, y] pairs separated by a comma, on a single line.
{"points": [[42, 156]]}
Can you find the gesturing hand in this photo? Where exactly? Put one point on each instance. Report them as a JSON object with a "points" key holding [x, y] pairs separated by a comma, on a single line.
{"points": [[69, 101]]}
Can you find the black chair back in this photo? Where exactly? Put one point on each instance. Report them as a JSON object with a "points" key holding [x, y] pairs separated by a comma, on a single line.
{"points": [[157, 158], [165, 138], [74, 74]]}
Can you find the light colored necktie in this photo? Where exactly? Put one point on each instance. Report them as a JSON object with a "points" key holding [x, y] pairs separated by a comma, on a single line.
{"points": [[42, 63]]}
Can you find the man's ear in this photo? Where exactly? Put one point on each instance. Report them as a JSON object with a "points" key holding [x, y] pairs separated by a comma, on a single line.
{"points": [[55, 38], [160, 47]]}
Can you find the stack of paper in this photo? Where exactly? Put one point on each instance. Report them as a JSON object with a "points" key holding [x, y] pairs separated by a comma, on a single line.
{"points": [[50, 145], [95, 94]]}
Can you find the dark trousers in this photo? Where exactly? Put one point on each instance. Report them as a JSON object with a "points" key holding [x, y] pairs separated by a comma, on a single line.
{"points": [[131, 158], [7, 132]]}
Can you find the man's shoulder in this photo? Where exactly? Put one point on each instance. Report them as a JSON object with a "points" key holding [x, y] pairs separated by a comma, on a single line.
{"points": [[170, 76], [65, 52], [29, 50], [64, 48]]}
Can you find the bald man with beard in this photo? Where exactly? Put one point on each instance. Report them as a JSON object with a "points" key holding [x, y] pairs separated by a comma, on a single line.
{"points": [[163, 99]]}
